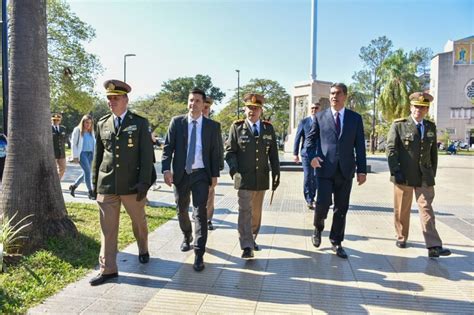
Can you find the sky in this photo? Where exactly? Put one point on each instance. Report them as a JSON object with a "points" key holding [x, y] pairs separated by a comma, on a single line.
{"points": [[265, 39]]}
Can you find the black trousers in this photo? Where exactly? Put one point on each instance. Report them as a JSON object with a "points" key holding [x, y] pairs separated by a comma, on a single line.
{"points": [[197, 183], [340, 187]]}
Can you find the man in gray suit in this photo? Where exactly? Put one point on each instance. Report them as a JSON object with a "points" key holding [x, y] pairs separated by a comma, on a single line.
{"points": [[191, 148], [335, 135]]}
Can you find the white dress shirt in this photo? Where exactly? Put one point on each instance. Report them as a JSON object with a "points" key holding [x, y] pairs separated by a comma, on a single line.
{"points": [[198, 162], [256, 123], [422, 126], [121, 119]]}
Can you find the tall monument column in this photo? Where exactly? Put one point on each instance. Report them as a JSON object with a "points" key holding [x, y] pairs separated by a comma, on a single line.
{"points": [[307, 92]]}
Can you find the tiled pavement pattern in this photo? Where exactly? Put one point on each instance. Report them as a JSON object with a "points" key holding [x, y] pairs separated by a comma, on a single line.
{"points": [[289, 275]]}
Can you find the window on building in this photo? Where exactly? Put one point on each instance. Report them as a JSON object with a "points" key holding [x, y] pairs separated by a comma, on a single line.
{"points": [[461, 113]]}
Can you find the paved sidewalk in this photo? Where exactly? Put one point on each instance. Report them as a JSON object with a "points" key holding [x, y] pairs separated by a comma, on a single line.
{"points": [[289, 275]]}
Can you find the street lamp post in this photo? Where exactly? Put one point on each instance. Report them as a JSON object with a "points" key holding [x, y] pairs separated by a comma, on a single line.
{"points": [[238, 93], [125, 65]]}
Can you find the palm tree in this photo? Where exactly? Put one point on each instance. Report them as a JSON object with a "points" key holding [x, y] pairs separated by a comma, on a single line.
{"points": [[30, 182], [398, 80]]}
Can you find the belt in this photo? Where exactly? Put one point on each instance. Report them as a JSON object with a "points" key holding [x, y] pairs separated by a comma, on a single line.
{"points": [[196, 170]]}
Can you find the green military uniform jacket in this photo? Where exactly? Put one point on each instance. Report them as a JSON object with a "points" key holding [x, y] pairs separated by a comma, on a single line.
{"points": [[416, 158], [59, 142], [249, 156], [124, 158]]}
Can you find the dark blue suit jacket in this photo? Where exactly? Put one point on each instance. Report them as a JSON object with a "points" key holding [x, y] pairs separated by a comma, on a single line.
{"points": [[301, 133], [176, 147], [347, 151]]}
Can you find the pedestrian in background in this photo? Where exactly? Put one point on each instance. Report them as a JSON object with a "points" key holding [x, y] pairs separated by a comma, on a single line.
{"points": [[83, 143], [413, 159], [310, 180], [3, 153], [59, 143], [212, 192]]}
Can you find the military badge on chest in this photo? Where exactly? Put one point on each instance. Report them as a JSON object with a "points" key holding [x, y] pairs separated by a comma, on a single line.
{"points": [[129, 130]]}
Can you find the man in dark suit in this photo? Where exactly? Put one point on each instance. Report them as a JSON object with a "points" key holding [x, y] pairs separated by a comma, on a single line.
{"points": [[191, 147], [121, 174], [335, 134], [59, 143], [310, 183]]}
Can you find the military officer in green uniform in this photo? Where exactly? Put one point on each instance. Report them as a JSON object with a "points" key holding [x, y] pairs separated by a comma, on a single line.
{"points": [[59, 143], [412, 159], [249, 149], [121, 174]]}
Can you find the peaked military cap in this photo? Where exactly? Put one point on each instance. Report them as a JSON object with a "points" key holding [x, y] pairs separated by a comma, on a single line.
{"points": [[116, 87], [420, 99], [56, 117], [253, 99], [209, 100]]}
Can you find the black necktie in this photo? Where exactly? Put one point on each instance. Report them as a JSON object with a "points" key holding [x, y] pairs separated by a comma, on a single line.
{"points": [[192, 150], [56, 128], [338, 124], [119, 123], [418, 126], [255, 130]]}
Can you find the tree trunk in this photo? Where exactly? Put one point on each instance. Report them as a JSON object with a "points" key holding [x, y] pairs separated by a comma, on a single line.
{"points": [[31, 182]]}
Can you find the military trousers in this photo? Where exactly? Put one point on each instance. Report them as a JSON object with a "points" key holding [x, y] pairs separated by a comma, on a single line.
{"points": [[403, 197], [61, 165], [210, 203], [109, 222], [250, 216]]}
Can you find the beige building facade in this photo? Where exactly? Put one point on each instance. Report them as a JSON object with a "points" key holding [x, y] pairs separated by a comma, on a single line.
{"points": [[452, 86]]}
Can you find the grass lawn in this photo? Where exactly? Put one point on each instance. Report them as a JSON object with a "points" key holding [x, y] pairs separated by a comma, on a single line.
{"points": [[63, 261]]}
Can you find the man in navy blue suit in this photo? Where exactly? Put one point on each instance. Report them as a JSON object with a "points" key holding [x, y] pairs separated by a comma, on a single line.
{"points": [[336, 147], [190, 162], [310, 183]]}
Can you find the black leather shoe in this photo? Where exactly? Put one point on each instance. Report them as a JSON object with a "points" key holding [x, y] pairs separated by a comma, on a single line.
{"points": [[72, 188], [91, 195], [340, 252], [186, 244], [310, 205], [316, 238], [101, 278], [144, 258], [437, 251], [247, 253], [210, 227], [401, 244], [256, 247], [198, 263]]}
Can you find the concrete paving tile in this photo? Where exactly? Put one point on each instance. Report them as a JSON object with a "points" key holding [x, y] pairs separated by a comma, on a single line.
{"points": [[63, 304], [117, 307], [284, 302]]}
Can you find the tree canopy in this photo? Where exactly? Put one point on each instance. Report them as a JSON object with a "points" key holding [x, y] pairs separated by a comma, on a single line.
{"points": [[276, 106], [72, 70], [178, 89]]}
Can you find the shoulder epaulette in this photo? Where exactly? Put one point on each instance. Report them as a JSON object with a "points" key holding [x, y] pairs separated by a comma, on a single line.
{"points": [[135, 114], [105, 117], [239, 121], [400, 120]]}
